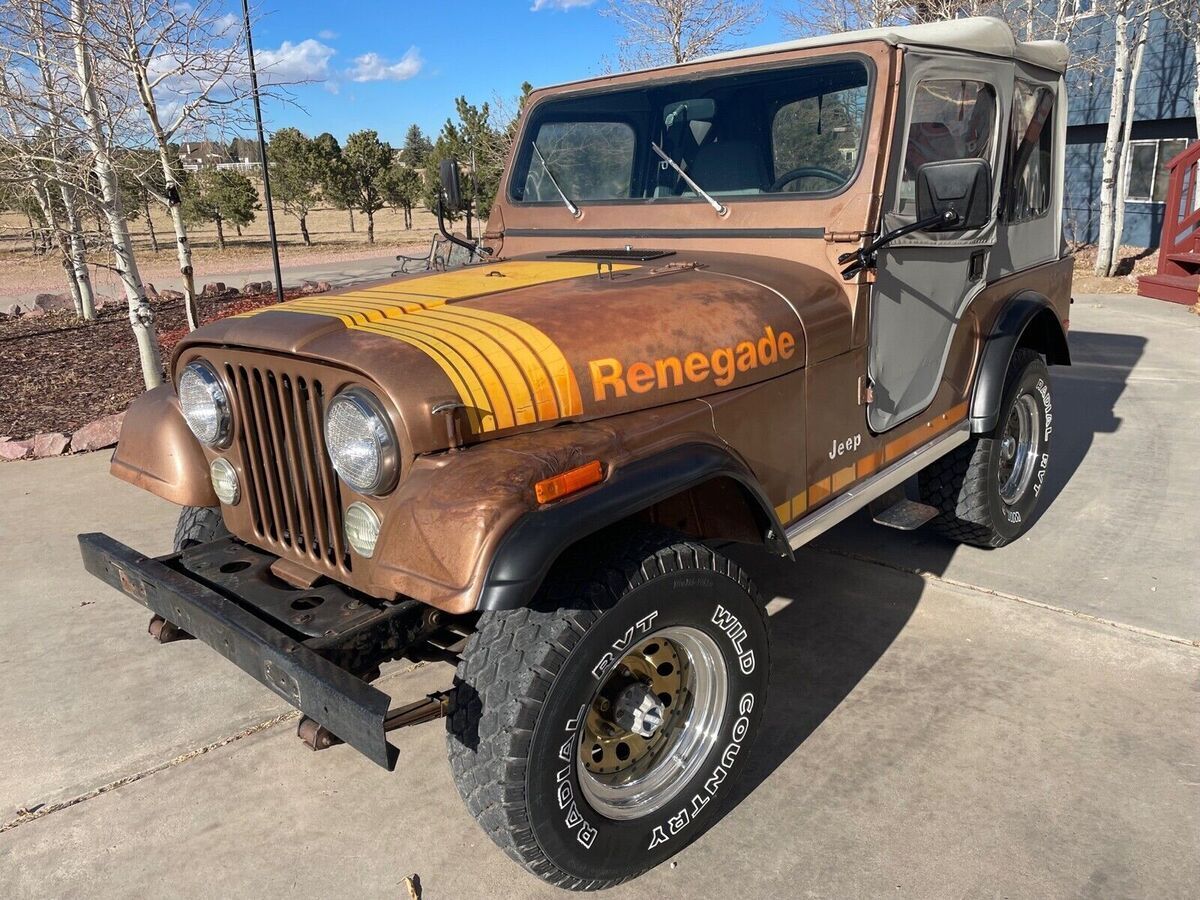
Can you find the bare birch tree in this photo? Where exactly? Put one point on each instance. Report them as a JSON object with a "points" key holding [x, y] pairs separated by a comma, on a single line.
{"points": [[192, 54], [98, 121], [38, 139], [662, 32], [1141, 33]]}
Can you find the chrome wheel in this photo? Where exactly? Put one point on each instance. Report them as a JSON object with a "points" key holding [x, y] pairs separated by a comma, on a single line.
{"points": [[1019, 448], [652, 722]]}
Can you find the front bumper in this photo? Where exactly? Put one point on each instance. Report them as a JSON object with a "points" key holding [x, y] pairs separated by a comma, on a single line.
{"points": [[341, 702]]}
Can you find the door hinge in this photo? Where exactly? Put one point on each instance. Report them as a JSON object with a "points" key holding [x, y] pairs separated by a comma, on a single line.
{"points": [[845, 237], [866, 391]]}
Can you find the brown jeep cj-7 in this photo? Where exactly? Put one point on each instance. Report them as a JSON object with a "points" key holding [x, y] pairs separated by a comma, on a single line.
{"points": [[736, 299]]}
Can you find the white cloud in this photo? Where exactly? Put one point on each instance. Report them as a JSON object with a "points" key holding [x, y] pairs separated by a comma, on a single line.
{"points": [[373, 67], [559, 5], [326, 35], [293, 63]]}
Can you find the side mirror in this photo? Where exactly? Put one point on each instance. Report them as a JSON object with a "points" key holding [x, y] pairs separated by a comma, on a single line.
{"points": [[450, 185], [957, 193]]}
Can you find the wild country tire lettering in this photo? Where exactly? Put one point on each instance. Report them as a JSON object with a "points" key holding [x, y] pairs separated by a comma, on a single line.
{"points": [[737, 634]]}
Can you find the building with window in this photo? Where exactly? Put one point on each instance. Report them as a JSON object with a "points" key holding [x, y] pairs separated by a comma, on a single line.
{"points": [[1164, 124]]}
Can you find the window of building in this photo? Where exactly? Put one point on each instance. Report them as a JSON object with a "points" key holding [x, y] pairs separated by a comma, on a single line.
{"points": [[1078, 9], [950, 119], [1029, 172], [1148, 175]]}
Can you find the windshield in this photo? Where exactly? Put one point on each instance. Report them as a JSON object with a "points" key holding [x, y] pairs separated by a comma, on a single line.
{"points": [[793, 132]]}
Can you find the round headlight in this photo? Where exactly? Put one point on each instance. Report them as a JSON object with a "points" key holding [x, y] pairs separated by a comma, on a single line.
{"points": [[225, 481], [361, 442], [205, 404], [362, 528]]}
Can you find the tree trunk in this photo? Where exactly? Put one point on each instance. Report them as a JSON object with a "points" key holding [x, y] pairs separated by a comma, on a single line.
{"points": [[304, 232], [238, 228], [141, 317], [370, 227], [45, 201], [407, 218], [87, 296], [183, 247], [150, 223], [1112, 138], [1196, 82], [220, 234], [33, 248], [351, 221], [1139, 51]]}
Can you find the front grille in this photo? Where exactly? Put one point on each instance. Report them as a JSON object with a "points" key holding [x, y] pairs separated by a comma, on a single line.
{"points": [[291, 489]]}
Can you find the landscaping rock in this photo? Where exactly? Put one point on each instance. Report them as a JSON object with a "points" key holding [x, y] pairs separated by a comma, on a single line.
{"points": [[12, 310], [169, 294], [151, 291], [54, 302], [315, 287], [98, 434], [252, 288], [11, 450], [51, 443], [213, 289]]}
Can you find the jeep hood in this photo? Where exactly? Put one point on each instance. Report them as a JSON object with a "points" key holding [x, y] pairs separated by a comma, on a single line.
{"points": [[528, 342]]}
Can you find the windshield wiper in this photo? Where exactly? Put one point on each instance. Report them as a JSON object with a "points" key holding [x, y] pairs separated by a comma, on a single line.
{"points": [[554, 181], [720, 208]]}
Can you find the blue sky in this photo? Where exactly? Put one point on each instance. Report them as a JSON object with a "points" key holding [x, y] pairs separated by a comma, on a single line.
{"points": [[385, 65]]}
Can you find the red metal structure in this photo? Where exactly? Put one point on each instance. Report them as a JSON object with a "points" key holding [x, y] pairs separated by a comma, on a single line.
{"points": [[1178, 275]]}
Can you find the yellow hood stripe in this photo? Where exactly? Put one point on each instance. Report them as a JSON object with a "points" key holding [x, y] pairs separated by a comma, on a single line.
{"points": [[505, 371]]}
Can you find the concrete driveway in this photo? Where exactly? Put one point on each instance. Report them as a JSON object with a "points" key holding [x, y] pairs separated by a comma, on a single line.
{"points": [[944, 721]]}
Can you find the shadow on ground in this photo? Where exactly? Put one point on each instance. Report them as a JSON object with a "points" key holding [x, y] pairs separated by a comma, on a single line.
{"points": [[830, 631]]}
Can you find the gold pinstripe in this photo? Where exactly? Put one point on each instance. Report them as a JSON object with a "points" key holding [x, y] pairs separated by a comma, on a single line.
{"points": [[506, 371]]}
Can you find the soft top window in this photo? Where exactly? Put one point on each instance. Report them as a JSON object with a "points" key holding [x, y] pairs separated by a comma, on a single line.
{"points": [[787, 132]]}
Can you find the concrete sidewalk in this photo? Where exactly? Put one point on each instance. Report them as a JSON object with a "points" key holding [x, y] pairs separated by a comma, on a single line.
{"points": [[1018, 723]]}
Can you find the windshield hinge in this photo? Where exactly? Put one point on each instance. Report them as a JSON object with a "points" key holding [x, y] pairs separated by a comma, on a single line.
{"points": [[845, 237]]}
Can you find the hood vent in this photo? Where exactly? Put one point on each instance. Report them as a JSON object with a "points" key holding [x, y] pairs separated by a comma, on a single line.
{"points": [[628, 254]]}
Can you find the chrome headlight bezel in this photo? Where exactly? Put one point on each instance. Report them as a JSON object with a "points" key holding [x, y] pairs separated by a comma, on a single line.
{"points": [[382, 434], [211, 382]]}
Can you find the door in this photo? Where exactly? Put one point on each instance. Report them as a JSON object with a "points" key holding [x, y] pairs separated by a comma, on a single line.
{"points": [[952, 109]]}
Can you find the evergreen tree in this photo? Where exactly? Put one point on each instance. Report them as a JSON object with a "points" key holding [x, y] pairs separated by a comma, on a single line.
{"points": [[220, 196]]}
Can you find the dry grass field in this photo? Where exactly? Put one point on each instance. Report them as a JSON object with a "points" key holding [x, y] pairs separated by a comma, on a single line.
{"points": [[21, 272]]}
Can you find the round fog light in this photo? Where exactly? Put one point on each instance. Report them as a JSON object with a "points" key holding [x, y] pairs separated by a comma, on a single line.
{"points": [[225, 481], [362, 528]]}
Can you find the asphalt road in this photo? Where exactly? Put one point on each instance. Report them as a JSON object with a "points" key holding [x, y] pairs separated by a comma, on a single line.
{"points": [[944, 721]]}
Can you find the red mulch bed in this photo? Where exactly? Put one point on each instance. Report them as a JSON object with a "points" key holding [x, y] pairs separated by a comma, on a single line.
{"points": [[57, 374]]}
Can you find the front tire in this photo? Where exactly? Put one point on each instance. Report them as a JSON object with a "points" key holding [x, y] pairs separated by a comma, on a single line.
{"points": [[199, 525], [597, 733], [987, 490]]}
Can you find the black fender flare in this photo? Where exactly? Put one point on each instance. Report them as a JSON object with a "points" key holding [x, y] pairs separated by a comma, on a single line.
{"points": [[1028, 319], [532, 545]]}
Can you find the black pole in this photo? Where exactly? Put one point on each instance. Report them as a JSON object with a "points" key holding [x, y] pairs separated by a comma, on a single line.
{"points": [[262, 153]]}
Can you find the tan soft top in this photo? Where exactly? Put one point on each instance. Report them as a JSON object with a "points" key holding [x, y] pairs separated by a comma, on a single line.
{"points": [[982, 34]]}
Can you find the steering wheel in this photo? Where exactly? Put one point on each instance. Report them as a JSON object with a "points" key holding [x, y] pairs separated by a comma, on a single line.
{"points": [[806, 172]]}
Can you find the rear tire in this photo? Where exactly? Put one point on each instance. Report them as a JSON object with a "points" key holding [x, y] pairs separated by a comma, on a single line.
{"points": [[987, 490], [536, 743]]}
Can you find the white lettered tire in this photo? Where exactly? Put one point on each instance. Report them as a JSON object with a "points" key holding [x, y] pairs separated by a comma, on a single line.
{"points": [[545, 744]]}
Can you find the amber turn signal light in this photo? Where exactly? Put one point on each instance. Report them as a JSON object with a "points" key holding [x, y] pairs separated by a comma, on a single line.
{"points": [[569, 482]]}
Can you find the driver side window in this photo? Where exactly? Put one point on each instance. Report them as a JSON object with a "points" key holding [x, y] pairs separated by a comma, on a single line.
{"points": [[822, 132]]}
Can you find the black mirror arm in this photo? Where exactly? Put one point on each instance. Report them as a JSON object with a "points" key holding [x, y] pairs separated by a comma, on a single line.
{"points": [[445, 232], [865, 257]]}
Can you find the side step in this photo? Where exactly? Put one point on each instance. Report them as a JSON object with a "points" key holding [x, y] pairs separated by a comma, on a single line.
{"points": [[907, 515]]}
